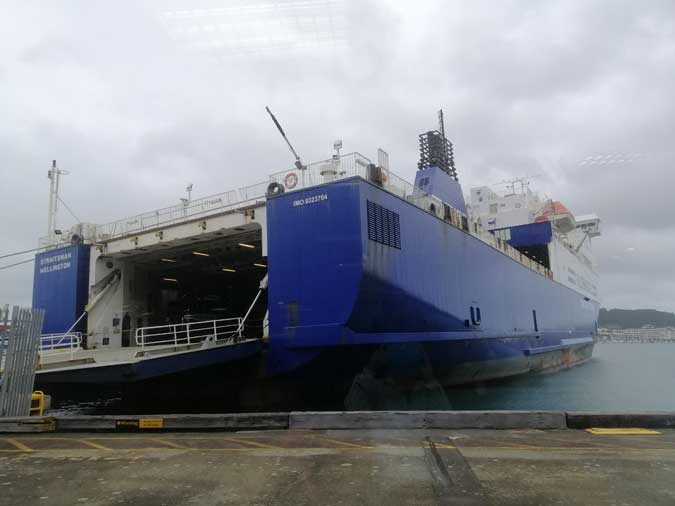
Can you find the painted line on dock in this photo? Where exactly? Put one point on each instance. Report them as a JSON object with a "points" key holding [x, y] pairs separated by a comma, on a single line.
{"points": [[93, 445], [49, 452], [592, 444], [442, 445], [18, 445], [252, 443], [170, 443], [337, 441], [627, 431]]}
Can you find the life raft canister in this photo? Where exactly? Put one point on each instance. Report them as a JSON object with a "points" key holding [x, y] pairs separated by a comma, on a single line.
{"points": [[274, 189]]}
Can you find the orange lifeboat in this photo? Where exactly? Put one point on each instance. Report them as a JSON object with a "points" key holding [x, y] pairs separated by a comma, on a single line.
{"points": [[555, 212]]}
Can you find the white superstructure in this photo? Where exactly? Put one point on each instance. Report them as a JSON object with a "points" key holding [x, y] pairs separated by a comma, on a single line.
{"points": [[567, 252]]}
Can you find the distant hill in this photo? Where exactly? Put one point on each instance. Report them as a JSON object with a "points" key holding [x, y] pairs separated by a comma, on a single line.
{"points": [[634, 318]]}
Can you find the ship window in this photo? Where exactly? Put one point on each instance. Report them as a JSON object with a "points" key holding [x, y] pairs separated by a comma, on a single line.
{"points": [[383, 226], [493, 208]]}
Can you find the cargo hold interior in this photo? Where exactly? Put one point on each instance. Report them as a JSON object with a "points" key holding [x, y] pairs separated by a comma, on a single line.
{"points": [[201, 280]]}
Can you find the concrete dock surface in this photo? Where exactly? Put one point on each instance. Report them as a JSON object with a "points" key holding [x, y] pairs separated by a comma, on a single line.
{"points": [[339, 467]]}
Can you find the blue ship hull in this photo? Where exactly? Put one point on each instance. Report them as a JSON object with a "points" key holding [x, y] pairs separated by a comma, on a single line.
{"points": [[354, 268]]}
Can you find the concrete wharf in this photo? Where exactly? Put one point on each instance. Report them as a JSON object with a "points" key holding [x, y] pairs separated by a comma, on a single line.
{"points": [[324, 458]]}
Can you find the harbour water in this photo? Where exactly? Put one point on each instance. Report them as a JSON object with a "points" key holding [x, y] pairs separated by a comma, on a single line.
{"points": [[619, 377]]}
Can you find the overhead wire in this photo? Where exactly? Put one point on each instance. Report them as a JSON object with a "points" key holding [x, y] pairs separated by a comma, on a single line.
{"points": [[21, 252], [69, 210], [34, 249], [18, 263]]}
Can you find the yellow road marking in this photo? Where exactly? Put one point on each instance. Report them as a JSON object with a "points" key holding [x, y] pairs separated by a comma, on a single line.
{"points": [[169, 443], [594, 443], [626, 431], [252, 443], [36, 453], [441, 445], [337, 441], [566, 448], [18, 444], [407, 440], [93, 445]]}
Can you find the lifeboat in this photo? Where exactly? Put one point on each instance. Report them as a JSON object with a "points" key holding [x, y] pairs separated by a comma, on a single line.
{"points": [[561, 217]]}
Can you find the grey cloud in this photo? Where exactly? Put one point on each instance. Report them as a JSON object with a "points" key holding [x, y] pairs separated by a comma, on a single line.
{"points": [[527, 88]]}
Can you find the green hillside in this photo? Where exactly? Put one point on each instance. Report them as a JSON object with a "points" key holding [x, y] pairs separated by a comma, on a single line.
{"points": [[634, 318]]}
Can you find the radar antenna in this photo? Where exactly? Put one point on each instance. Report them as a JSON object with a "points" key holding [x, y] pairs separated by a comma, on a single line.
{"points": [[298, 163]]}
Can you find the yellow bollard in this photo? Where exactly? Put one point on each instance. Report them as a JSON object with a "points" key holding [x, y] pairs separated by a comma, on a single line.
{"points": [[39, 408]]}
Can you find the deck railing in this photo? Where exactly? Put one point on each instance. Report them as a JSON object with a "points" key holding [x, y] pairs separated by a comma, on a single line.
{"points": [[325, 171], [180, 334], [198, 208], [53, 344]]}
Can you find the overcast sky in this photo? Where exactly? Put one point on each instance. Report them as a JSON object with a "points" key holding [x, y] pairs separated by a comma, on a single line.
{"points": [[139, 98]]}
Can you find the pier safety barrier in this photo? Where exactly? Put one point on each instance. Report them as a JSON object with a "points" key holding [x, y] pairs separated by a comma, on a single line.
{"points": [[18, 359]]}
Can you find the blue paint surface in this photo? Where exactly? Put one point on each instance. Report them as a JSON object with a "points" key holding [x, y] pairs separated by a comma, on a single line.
{"points": [[436, 182], [332, 286], [60, 287], [529, 234]]}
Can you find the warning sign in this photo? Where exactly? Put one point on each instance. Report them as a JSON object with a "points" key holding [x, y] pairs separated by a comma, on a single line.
{"points": [[142, 423], [150, 423]]}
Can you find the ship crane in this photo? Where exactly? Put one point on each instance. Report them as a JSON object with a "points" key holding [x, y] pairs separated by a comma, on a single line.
{"points": [[298, 163]]}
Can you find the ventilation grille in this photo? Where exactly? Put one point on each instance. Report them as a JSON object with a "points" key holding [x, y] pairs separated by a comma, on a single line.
{"points": [[383, 226]]}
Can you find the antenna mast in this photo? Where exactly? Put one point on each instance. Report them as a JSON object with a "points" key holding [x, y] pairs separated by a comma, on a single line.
{"points": [[436, 150], [54, 175], [441, 123], [298, 163]]}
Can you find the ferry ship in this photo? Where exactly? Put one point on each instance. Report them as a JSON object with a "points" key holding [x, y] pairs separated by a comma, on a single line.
{"points": [[337, 268]]}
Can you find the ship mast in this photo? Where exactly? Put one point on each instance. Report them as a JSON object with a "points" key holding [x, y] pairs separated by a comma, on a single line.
{"points": [[54, 175]]}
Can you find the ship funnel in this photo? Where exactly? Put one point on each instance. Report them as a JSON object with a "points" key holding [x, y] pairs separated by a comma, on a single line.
{"points": [[436, 150], [436, 173]]}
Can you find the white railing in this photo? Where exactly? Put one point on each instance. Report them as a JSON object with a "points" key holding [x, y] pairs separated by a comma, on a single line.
{"points": [[52, 344], [218, 203], [325, 171], [181, 334]]}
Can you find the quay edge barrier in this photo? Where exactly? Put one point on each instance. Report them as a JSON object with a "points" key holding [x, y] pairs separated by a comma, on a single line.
{"points": [[354, 420]]}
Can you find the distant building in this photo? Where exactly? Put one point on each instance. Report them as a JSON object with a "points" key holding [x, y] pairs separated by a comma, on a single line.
{"points": [[645, 334]]}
